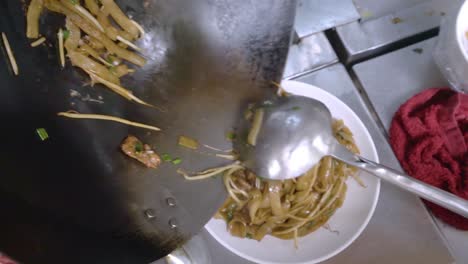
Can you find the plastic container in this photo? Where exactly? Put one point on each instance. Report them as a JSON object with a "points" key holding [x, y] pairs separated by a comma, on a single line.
{"points": [[451, 50]]}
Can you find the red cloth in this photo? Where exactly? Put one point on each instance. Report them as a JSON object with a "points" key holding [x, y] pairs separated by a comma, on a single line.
{"points": [[5, 260], [429, 135]]}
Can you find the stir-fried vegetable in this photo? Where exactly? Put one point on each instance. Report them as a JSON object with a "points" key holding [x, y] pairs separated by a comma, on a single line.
{"points": [[73, 114], [126, 42], [86, 49], [256, 126], [176, 161], [88, 40], [90, 65], [32, 17], [231, 135], [11, 57], [66, 34], [38, 42], [42, 133], [88, 16], [227, 156], [166, 157], [119, 17], [61, 48], [118, 89], [140, 28], [280, 91], [96, 33], [188, 142], [92, 6], [71, 36], [209, 172]]}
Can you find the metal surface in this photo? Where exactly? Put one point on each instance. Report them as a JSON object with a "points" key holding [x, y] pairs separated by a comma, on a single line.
{"points": [[362, 39], [401, 231], [402, 74], [400, 179], [397, 82], [313, 16], [192, 252], [75, 198], [372, 9], [310, 53], [291, 140]]}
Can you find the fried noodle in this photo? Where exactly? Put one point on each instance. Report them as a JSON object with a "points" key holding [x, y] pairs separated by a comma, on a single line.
{"points": [[285, 209]]}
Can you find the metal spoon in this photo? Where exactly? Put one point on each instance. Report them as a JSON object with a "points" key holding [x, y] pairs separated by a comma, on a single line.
{"points": [[296, 133]]}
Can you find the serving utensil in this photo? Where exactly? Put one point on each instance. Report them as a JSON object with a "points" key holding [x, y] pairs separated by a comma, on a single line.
{"points": [[296, 132]]}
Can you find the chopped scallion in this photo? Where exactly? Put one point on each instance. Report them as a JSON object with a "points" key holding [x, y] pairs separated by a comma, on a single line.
{"points": [[230, 212], [166, 157], [231, 136], [311, 224], [176, 161], [229, 216], [110, 59], [138, 147], [42, 133], [66, 34]]}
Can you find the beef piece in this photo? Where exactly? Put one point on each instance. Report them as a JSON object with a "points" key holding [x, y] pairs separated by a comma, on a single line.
{"points": [[134, 148]]}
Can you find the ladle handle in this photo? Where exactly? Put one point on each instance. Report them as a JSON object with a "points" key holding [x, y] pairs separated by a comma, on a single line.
{"points": [[424, 190]]}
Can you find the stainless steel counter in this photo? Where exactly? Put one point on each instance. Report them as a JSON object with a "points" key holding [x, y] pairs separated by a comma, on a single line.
{"points": [[401, 230], [389, 81], [372, 8], [314, 16], [310, 53], [389, 24]]}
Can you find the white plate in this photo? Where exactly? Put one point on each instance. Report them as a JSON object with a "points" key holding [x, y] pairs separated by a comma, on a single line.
{"points": [[350, 220]]}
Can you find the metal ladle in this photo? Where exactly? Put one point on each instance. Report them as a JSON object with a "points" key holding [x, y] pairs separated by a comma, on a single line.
{"points": [[296, 132]]}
